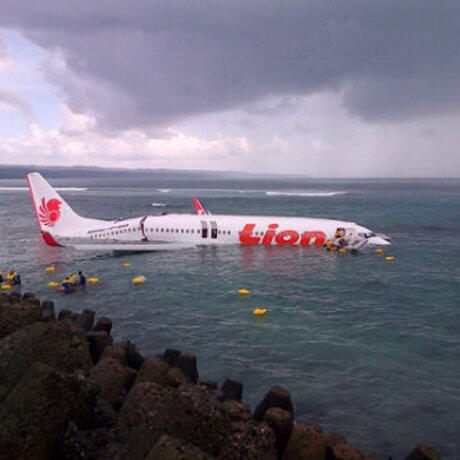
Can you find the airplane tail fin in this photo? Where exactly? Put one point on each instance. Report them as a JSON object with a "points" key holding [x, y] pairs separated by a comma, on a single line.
{"points": [[199, 207], [54, 216]]}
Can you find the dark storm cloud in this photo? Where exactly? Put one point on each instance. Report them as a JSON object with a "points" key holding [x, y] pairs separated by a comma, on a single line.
{"points": [[139, 63]]}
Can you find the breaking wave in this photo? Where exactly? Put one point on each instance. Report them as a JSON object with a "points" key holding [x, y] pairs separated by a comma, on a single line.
{"points": [[163, 190], [311, 194], [158, 205]]}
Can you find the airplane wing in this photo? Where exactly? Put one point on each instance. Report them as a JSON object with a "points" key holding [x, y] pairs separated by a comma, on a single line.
{"points": [[133, 247]]}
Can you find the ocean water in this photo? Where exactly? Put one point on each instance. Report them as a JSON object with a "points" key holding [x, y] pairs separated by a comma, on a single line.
{"points": [[367, 348]]}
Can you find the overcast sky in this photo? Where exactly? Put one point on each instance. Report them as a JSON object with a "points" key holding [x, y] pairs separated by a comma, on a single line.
{"points": [[327, 88]]}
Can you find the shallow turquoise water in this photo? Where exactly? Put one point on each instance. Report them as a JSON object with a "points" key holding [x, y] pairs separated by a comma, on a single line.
{"points": [[367, 348]]}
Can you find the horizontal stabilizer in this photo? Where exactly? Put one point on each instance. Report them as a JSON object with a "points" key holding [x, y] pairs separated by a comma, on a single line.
{"points": [[133, 247]]}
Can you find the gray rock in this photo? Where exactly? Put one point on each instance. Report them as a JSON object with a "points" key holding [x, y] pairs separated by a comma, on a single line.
{"points": [[423, 452], [15, 314], [168, 448], [133, 357], [171, 355], [282, 423], [65, 314], [98, 341], [48, 312], [175, 377], [187, 363], [307, 441], [85, 319], [36, 413], [190, 412], [115, 351], [61, 345], [103, 324], [346, 452], [153, 370], [277, 396], [113, 379], [232, 389]]}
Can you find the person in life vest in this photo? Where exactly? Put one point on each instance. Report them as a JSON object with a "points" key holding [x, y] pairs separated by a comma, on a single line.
{"points": [[66, 285], [1, 276], [82, 279], [16, 279], [339, 238]]}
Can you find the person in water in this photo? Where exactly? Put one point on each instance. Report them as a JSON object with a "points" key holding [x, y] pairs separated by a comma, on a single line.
{"points": [[1, 276], [17, 279], [67, 286], [82, 279]]}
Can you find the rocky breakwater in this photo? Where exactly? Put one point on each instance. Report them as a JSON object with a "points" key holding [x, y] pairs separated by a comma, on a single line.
{"points": [[67, 390]]}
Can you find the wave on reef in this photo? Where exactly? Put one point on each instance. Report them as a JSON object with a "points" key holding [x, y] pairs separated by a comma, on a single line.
{"points": [[311, 194]]}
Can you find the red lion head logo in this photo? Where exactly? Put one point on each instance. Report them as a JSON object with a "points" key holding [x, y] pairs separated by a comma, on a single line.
{"points": [[49, 212]]}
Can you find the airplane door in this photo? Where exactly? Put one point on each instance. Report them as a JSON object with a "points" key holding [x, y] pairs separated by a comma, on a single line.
{"points": [[204, 229], [213, 229]]}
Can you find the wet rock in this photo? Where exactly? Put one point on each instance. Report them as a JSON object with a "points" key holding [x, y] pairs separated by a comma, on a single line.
{"points": [[66, 314], [346, 452], [103, 324], [236, 410], [232, 389], [307, 441], [372, 456], [187, 363], [282, 423], [249, 440], [175, 377], [142, 419], [153, 370], [85, 319], [98, 341], [30, 296], [113, 379], [423, 452], [277, 396], [48, 313], [15, 314], [115, 351], [61, 345], [133, 357], [167, 448], [81, 444], [171, 355], [210, 384], [334, 439], [190, 412], [104, 415], [35, 414]]}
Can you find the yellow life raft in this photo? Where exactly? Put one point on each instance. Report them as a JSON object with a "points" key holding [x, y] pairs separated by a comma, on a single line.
{"points": [[50, 269], [260, 311], [5, 287], [342, 250], [139, 280], [127, 264], [243, 291], [10, 276], [93, 280], [389, 258], [53, 284], [379, 251]]}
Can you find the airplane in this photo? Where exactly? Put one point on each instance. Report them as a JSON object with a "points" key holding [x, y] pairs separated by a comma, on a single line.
{"points": [[60, 226]]}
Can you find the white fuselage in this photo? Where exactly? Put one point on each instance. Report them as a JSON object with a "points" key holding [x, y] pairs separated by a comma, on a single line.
{"points": [[214, 229]]}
